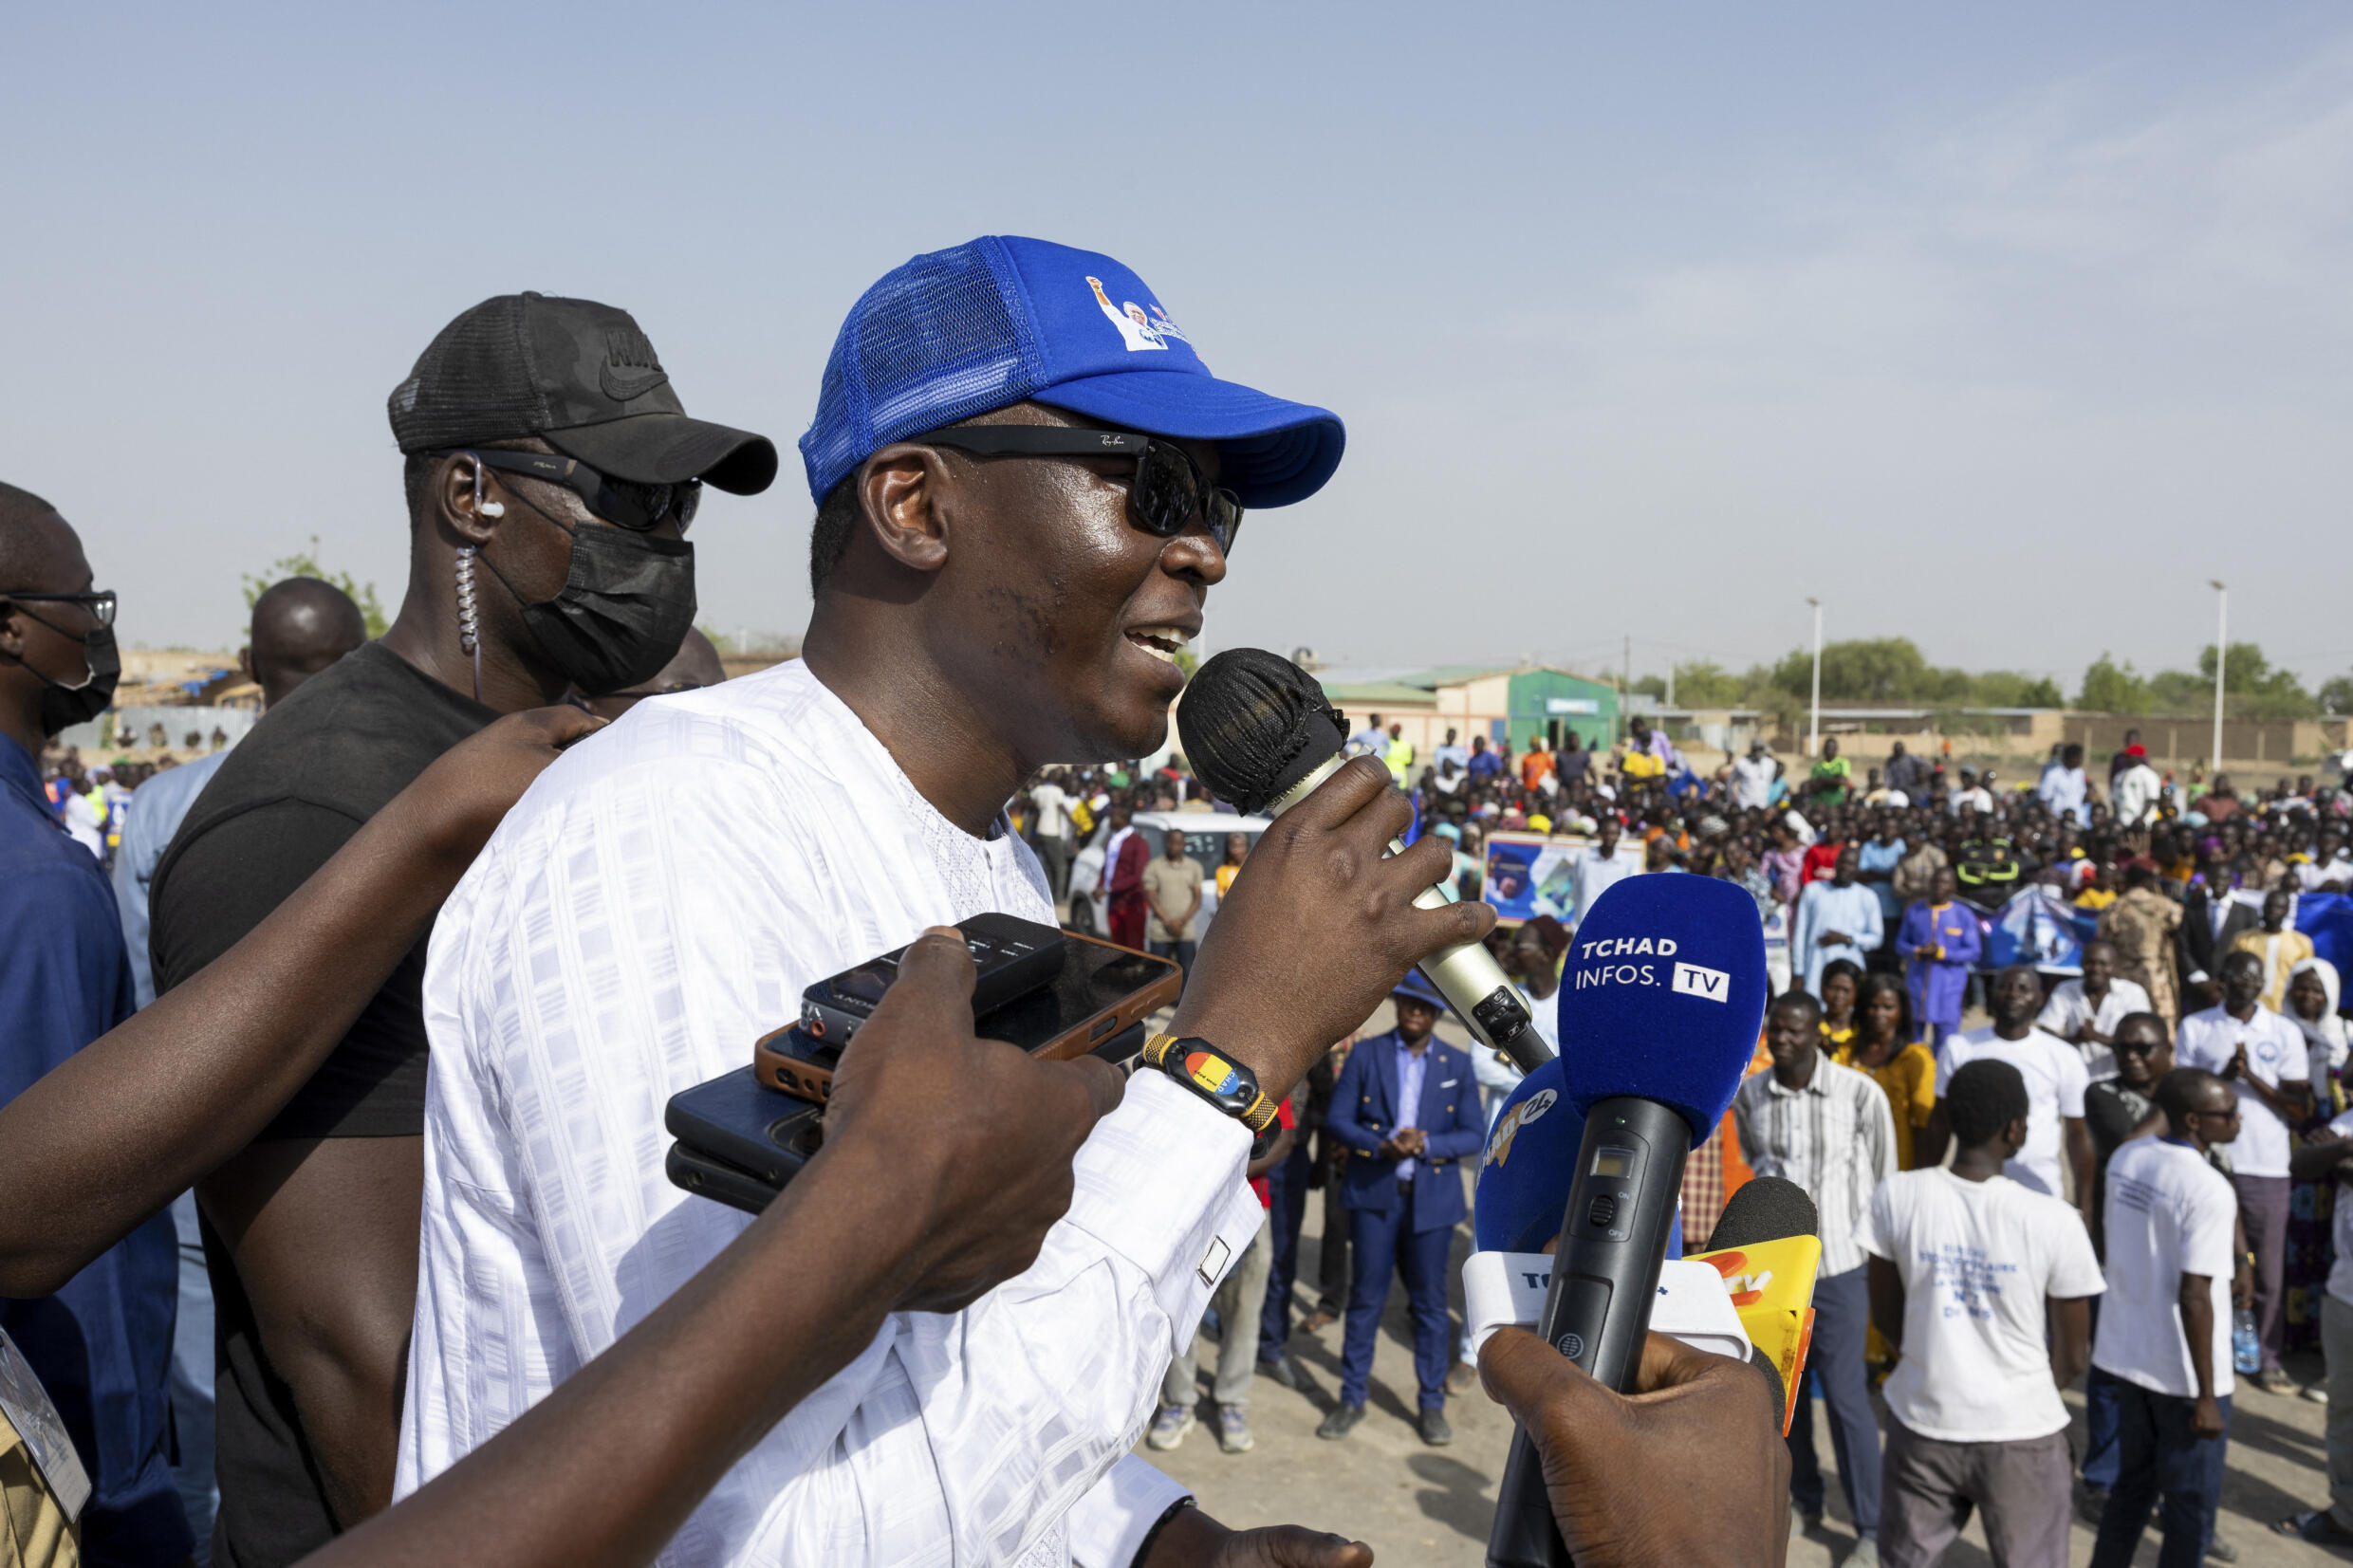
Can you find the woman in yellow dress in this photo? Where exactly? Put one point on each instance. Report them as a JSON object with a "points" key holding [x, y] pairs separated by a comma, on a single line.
{"points": [[1885, 1046], [1842, 984]]}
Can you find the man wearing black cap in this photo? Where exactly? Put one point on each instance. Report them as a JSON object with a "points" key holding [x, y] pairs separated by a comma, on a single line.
{"points": [[551, 474]]}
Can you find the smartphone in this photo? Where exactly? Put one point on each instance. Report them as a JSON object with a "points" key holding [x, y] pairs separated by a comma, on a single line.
{"points": [[699, 1173], [1011, 957], [1097, 992], [739, 1142], [765, 1134]]}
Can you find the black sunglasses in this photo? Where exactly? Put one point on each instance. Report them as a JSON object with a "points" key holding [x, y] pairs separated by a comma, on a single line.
{"points": [[640, 508], [100, 605], [1169, 491]]}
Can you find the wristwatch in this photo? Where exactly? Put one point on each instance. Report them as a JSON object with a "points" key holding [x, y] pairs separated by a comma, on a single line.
{"points": [[1202, 1067]]}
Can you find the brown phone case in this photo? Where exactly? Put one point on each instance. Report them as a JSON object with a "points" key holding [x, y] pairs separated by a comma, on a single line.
{"points": [[809, 1080]]}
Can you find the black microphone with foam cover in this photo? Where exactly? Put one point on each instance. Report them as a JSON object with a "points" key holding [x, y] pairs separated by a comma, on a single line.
{"points": [[1661, 1001], [1765, 1208], [1261, 734]]}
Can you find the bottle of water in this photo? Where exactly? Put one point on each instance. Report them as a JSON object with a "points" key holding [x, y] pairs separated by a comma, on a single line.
{"points": [[2246, 1354]]}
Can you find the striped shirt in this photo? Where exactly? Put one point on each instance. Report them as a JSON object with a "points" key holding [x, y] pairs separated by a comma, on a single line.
{"points": [[1835, 1137]]}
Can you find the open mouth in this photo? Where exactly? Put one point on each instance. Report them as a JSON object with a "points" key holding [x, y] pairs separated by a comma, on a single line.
{"points": [[1162, 642]]}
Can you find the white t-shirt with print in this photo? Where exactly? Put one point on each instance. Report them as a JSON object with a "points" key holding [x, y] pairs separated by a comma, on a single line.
{"points": [[2068, 1007], [2056, 1080], [2169, 1213], [2275, 1050], [1977, 1260]]}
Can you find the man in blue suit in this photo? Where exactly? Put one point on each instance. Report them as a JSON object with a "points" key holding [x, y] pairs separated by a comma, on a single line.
{"points": [[1407, 1110]]}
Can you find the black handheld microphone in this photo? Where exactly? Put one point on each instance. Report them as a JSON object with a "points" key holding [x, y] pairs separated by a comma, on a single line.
{"points": [[1258, 731], [1659, 1007]]}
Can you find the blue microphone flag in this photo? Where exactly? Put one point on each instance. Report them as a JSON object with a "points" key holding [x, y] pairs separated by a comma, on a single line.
{"points": [[1662, 995]]}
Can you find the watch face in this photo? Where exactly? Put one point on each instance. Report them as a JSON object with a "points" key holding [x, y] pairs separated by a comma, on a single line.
{"points": [[1212, 1072], [1215, 1076]]}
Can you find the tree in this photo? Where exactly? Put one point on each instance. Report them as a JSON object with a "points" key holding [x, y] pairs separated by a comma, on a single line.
{"points": [[1865, 670], [306, 564], [2253, 688], [1703, 683], [2009, 688], [2337, 695], [2110, 688]]}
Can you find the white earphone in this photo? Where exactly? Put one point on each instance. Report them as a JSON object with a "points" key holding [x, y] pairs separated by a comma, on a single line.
{"points": [[486, 509]]}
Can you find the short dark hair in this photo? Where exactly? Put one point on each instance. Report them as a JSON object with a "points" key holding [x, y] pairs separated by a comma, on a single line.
{"points": [[19, 510], [415, 472], [1847, 967], [22, 506], [2179, 1092], [1983, 1097], [1797, 999], [838, 517]]}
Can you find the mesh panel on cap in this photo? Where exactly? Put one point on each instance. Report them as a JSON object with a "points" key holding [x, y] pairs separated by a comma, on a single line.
{"points": [[937, 340], [474, 382]]}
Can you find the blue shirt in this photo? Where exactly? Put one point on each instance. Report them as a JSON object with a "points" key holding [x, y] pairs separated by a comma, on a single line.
{"points": [[157, 809], [1482, 763], [102, 1345], [1872, 855], [1826, 907], [1411, 1070]]}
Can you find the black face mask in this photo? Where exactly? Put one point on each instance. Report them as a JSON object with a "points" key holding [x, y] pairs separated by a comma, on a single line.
{"points": [[625, 607], [63, 705]]}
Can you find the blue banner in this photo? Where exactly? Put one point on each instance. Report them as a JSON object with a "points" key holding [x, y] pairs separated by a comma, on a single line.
{"points": [[2039, 926], [2327, 919]]}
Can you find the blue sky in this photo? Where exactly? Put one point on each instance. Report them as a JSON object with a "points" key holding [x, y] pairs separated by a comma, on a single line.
{"points": [[2003, 328]]}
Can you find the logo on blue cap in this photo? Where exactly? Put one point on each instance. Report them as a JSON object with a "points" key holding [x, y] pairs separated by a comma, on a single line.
{"points": [[1141, 330], [1004, 320]]}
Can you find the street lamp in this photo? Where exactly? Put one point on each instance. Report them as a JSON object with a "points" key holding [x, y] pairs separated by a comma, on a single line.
{"points": [[1813, 737], [2222, 648]]}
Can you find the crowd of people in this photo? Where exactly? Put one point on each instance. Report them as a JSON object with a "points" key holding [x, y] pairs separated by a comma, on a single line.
{"points": [[2195, 1031]]}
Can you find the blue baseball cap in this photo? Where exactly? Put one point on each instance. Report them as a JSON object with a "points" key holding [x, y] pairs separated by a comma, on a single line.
{"points": [[1005, 319]]}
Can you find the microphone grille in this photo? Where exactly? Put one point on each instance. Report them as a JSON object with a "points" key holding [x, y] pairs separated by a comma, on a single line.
{"points": [[1253, 723], [1765, 1208]]}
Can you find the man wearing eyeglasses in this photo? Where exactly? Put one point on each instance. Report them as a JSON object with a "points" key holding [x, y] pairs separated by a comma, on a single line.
{"points": [[102, 1345], [1020, 512], [551, 473]]}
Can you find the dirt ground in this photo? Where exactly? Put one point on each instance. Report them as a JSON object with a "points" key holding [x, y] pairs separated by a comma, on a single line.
{"points": [[1431, 1506], [1420, 1506]]}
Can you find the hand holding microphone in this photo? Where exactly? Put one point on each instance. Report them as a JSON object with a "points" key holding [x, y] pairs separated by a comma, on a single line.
{"points": [[1687, 1471], [1660, 1007], [1261, 734]]}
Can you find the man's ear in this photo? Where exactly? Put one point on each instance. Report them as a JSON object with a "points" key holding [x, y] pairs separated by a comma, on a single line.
{"points": [[468, 498], [245, 661], [906, 498]]}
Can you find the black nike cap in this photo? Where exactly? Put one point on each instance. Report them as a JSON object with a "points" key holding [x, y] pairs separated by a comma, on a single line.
{"points": [[580, 377]]}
